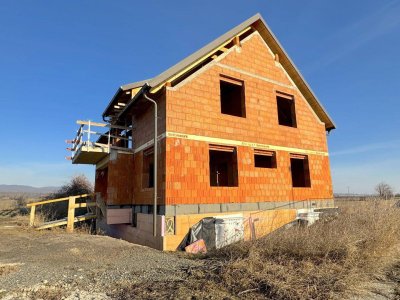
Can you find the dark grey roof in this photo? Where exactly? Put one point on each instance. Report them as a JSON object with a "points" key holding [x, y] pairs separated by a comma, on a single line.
{"points": [[258, 23], [123, 88], [133, 85]]}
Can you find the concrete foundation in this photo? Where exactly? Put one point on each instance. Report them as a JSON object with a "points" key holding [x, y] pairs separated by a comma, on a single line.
{"points": [[172, 228]]}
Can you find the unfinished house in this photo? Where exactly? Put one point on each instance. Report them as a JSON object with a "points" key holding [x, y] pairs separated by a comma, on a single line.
{"points": [[241, 140]]}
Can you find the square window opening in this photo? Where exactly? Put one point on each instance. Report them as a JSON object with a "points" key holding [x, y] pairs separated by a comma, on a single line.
{"points": [[267, 160], [232, 97], [223, 168], [300, 172], [286, 111], [148, 168]]}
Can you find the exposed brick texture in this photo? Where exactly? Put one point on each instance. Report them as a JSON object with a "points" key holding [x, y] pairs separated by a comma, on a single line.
{"points": [[143, 120], [101, 183], [188, 182], [145, 195], [194, 108], [121, 172]]}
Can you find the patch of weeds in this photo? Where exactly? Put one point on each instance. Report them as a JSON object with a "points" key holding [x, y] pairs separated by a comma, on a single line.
{"points": [[8, 268], [48, 293]]}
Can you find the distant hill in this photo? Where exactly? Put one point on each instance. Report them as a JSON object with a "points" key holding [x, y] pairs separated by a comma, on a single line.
{"points": [[15, 188]]}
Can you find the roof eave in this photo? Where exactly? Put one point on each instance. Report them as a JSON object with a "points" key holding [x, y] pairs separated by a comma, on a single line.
{"points": [[135, 98], [112, 101], [123, 88]]}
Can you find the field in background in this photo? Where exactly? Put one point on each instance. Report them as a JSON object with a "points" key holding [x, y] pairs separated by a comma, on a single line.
{"points": [[7, 204], [12, 203]]}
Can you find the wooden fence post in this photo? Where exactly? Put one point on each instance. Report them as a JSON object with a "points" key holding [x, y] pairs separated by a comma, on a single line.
{"points": [[32, 218], [252, 229], [71, 214]]}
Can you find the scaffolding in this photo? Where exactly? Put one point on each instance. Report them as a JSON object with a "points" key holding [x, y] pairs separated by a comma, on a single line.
{"points": [[94, 141]]}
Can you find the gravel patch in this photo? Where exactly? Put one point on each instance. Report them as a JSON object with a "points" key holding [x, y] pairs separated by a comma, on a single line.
{"points": [[77, 266]]}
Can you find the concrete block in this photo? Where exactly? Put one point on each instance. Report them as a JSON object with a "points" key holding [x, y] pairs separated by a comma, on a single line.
{"points": [[250, 206], [283, 204], [187, 209], [234, 207], [209, 208], [161, 210], [224, 207], [169, 210], [267, 205], [144, 209], [119, 216], [298, 204]]}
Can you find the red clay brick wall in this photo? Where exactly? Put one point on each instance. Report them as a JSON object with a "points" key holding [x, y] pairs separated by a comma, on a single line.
{"points": [[143, 133], [121, 172], [101, 183], [125, 172], [143, 122], [188, 180], [194, 108], [142, 195]]}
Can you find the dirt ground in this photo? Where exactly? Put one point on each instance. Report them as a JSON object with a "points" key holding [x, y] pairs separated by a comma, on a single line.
{"points": [[53, 265], [56, 265]]}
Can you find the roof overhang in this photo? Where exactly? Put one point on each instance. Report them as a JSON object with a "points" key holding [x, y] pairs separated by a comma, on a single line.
{"points": [[118, 94]]}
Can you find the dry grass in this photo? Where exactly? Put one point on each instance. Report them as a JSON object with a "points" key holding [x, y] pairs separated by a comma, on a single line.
{"points": [[6, 269], [86, 227], [47, 293], [7, 204], [318, 262], [328, 260], [332, 259], [20, 217]]}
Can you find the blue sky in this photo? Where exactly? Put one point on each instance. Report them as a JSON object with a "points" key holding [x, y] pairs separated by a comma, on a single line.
{"points": [[63, 60]]}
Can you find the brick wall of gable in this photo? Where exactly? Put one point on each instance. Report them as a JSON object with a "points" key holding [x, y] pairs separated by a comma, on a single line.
{"points": [[256, 58], [143, 120], [193, 107]]}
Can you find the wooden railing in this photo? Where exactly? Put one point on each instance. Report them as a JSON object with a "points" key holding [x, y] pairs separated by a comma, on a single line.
{"points": [[71, 218]]}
